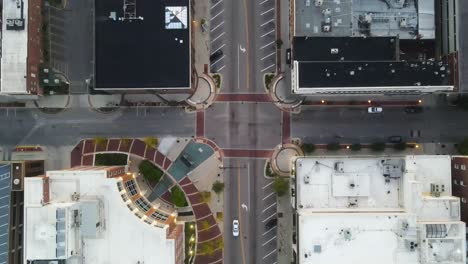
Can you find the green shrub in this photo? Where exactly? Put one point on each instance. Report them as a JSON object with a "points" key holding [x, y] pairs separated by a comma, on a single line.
{"points": [[308, 148], [149, 171], [356, 147], [400, 146], [462, 147], [217, 187], [280, 186], [111, 159], [178, 197], [378, 146], [333, 146], [268, 80]]}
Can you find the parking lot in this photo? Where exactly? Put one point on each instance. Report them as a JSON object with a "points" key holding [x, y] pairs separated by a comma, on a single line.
{"points": [[266, 226], [218, 45], [266, 34]]}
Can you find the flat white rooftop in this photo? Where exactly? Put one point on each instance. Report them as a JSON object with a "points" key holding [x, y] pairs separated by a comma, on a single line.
{"points": [[390, 209], [124, 238], [14, 50]]}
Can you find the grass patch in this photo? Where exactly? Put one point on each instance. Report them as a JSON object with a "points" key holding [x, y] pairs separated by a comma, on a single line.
{"points": [[217, 79], [268, 171], [111, 159], [189, 231], [178, 197], [268, 79], [206, 196], [280, 186], [150, 172], [308, 148]]}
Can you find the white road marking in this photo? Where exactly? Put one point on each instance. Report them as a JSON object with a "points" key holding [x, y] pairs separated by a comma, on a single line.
{"points": [[217, 60], [269, 207], [264, 198], [267, 45], [267, 255], [220, 12], [213, 6], [273, 228], [218, 37], [222, 46], [220, 24], [269, 241], [264, 187], [268, 67], [221, 67], [274, 52], [268, 33], [268, 11], [264, 1], [266, 219], [271, 20]]}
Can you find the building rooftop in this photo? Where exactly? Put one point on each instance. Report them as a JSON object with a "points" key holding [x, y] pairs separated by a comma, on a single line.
{"points": [[145, 49], [408, 19], [395, 209], [14, 49], [86, 218], [5, 190]]}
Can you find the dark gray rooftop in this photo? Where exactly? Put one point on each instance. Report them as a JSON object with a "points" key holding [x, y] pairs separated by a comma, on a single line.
{"points": [[372, 74], [344, 48], [5, 190], [143, 53]]}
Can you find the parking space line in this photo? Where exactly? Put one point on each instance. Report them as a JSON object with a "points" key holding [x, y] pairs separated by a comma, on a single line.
{"points": [[269, 241], [220, 12], [264, 1], [222, 46], [264, 198], [218, 37], [267, 68], [220, 24], [213, 6], [268, 33], [267, 255], [273, 228], [269, 55], [217, 60], [221, 67], [270, 183], [269, 207], [267, 22], [268, 11], [266, 219], [267, 45]]}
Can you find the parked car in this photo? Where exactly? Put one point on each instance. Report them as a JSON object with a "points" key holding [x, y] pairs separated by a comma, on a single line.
{"points": [[235, 227], [271, 223], [395, 139], [216, 55], [374, 110], [413, 109]]}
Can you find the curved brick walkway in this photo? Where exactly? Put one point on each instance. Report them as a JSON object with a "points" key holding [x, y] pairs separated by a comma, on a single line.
{"points": [[83, 155]]}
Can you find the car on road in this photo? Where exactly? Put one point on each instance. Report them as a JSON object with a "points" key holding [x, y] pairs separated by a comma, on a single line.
{"points": [[413, 109], [271, 223], [216, 55], [235, 227], [395, 139], [374, 110]]}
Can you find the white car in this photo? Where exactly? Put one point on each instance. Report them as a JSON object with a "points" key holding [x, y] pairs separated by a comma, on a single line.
{"points": [[374, 110], [235, 228]]}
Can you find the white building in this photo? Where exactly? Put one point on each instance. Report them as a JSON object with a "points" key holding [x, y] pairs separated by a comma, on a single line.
{"points": [[384, 210], [79, 216]]}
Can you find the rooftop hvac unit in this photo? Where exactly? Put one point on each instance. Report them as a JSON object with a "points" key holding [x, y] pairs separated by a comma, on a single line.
{"points": [[339, 167], [326, 28], [307, 179], [437, 189], [318, 2], [75, 196]]}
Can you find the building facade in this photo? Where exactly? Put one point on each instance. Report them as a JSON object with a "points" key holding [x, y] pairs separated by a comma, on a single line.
{"points": [[460, 183]]}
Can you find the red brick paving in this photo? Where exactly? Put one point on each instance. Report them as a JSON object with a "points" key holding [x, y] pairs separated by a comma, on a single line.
{"points": [[75, 156], [208, 234], [200, 128], [113, 145], [167, 163], [189, 189], [166, 197], [247, 153], [126, 146], [159, 158], [185, 181], [361, 103], [286, 127], [138, 148], [88, 160], [201, 259], [211, 221], [102, 147], [195, 198], [149, 155], [201, 210], [89, 146], [243, 98]]}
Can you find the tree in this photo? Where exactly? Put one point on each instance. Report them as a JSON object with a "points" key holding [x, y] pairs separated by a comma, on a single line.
{"points": [[308, 148], [178, 197], [100, 141], [378, 146], [462, 147], [206, 196], [217, 187], [125, 142], [462, 102], [333, 146], [279, 43], [355, 147], [207, 248], [400, 146], [150, 171], [151, 141], [280, 186], [204, 224]]}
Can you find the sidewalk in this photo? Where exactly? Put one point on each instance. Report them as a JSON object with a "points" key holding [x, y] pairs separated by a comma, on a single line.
{"points": [[285, 229]]}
